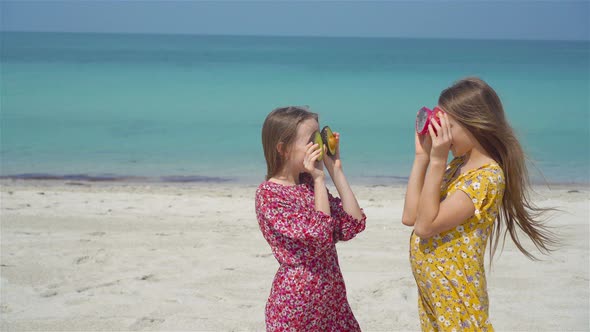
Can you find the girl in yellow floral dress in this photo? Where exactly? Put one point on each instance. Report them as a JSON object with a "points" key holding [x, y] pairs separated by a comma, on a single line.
{"points": [[456, 208]]}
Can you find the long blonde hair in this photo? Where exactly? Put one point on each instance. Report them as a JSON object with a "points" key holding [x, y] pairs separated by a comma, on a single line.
{"points": [[280, 126], [477, 107]]}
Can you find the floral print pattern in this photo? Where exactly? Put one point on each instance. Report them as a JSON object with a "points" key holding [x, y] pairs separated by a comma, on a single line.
{"points": [[308, 292], [449, 267]]}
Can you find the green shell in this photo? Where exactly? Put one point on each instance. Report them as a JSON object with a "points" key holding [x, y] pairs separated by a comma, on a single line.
{"points": [[327, 137], [316, 138]]}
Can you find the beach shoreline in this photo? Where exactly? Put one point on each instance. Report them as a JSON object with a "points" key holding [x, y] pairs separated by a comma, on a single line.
{"points": [[396, 181], [104, 255]]}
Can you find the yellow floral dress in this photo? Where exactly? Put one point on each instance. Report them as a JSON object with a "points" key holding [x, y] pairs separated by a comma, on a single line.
{"points": [[449, 267]]}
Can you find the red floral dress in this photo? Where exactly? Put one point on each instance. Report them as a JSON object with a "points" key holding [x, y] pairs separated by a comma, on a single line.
{"points": [[308, 292]]}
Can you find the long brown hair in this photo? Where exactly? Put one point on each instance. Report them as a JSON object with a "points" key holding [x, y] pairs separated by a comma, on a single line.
{"points": [[477, 107], [280, 126]]}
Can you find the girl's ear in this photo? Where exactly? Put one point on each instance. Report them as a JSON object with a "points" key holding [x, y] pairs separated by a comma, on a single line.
{"points": [[282, 149]]}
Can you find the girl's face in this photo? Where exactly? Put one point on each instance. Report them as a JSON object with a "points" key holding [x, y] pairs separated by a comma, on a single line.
{"points": [[296, 152], [463, 141]]}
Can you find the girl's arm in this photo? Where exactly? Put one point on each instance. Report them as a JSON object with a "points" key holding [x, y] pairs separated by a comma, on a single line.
{"points": [[321, 195], [423, 145], [346, 226], [296, 233], [433, 216], [334, 166], [414, 189], [316, 169], [278, 214], [349, 201]]}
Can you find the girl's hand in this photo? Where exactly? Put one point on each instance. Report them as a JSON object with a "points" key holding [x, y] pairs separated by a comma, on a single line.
{"points": [[333, 162], [316, 169], [441, 139], [423, 145]]}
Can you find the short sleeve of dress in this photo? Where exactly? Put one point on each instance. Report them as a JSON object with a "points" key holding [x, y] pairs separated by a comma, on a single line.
{"points": [[484, 187]]}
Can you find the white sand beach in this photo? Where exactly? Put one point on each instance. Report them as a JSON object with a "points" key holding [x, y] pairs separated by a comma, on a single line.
{"points": [[88, 256]]}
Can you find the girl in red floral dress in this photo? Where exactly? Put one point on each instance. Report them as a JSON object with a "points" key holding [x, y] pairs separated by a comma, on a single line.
{"points": [[302, 221]]}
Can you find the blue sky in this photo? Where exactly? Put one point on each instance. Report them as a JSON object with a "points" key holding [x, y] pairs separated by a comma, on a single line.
{"points": [[546, 20]]}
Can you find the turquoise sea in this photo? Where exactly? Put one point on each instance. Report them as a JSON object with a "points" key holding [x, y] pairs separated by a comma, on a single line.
{"points": [[190, 108]]}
